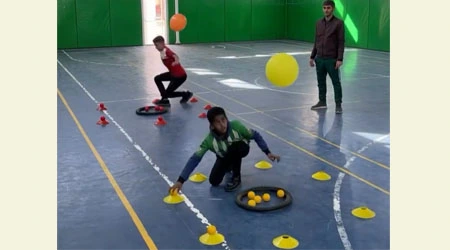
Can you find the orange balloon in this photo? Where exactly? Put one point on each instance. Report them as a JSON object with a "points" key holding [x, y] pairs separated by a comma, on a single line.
{"points": [[178, 22]]}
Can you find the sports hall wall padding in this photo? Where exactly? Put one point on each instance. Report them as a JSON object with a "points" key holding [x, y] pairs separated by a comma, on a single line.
{"points": [[367, 22], [230, 20], [99, 23]]}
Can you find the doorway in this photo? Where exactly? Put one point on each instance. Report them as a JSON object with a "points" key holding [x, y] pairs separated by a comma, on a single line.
{"points": [[153, 20]]}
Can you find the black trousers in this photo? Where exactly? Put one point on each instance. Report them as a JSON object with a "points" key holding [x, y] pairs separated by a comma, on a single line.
{"points": [[175, 83], [326, 66], [231, 161]]}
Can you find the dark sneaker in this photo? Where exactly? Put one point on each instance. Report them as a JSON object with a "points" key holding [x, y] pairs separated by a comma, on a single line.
{"points": [[319, 105], [186, 97], [338, 109], [234, 183], [163, 102]]}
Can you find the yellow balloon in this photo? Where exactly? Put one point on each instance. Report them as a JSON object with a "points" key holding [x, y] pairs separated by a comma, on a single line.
{"points": [[282, 70]]}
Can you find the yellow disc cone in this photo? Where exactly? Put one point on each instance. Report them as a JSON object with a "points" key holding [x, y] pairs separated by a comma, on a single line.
{"points": [[173, 199], [263, 165], [363, 213], [211, 237], [198, 177], [285, 242], [321, 176]]}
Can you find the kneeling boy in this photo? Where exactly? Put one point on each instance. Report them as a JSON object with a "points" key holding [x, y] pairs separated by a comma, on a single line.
{"points": [[229, 140]]}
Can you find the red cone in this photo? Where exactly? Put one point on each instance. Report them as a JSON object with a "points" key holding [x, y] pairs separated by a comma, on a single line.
{"points": [[102, 121], [101, 107], [160, 121]]}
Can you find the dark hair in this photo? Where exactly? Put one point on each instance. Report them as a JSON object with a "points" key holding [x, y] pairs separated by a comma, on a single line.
{"points": [[213, 112], [158, 39], [328, 2]]}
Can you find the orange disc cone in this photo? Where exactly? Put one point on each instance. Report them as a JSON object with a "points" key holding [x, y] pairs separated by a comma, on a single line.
{"points": [[155, 101], [207, 107], [202, 115], [193, 99], [102, 121]]}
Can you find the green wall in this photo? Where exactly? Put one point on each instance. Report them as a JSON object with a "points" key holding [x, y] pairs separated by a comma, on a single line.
{"points": [[366, 21], [230, 20], [379, 25], [99, 23], [67, 24]]}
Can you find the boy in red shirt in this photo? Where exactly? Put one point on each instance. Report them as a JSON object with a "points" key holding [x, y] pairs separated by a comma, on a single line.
{"points": [[176, 75]]}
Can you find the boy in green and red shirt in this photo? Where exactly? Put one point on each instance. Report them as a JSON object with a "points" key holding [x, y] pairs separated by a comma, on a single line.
{"points": [[229, 140]]}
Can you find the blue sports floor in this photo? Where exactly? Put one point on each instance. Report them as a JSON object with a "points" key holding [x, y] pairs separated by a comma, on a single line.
{"points": [[112, 179]]}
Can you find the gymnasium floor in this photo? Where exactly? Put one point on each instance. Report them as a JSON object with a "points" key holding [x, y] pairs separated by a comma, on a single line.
{"points": [[144, 159]]}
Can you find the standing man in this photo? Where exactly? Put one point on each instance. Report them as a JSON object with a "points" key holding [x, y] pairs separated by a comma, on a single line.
{"points": [[328, 54]]}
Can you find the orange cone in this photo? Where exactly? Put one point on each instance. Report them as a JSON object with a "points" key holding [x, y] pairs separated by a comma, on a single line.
{"points": [[202, 115], [101, 107], [207, 107], [159, 108], [194, 99], [160, 121], [155, 101], [102, 121]]}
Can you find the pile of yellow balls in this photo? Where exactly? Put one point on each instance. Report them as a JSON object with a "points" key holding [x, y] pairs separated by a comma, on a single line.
{"points": [[253, 199]]}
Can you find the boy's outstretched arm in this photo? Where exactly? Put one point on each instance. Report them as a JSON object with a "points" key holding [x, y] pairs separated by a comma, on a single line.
{"points": [[191, 164], [193, 161], [251, 134]]}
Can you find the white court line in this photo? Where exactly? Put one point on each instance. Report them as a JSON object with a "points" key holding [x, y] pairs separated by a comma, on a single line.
{"points": [[337, 197], [238, 46], [188, 203], [99, 63]]}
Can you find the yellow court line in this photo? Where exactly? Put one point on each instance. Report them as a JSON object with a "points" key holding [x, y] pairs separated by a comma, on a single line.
{"points": [[150, 244], [293, 126], [304, 150]]}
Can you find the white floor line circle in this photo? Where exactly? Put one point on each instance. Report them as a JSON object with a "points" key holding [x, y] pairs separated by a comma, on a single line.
{"points": [[337, 197], [188, 203]]}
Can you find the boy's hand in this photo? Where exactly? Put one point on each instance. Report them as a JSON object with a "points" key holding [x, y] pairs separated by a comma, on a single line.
{"points": [[175, 188], [273, 157], [175, 63]]}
